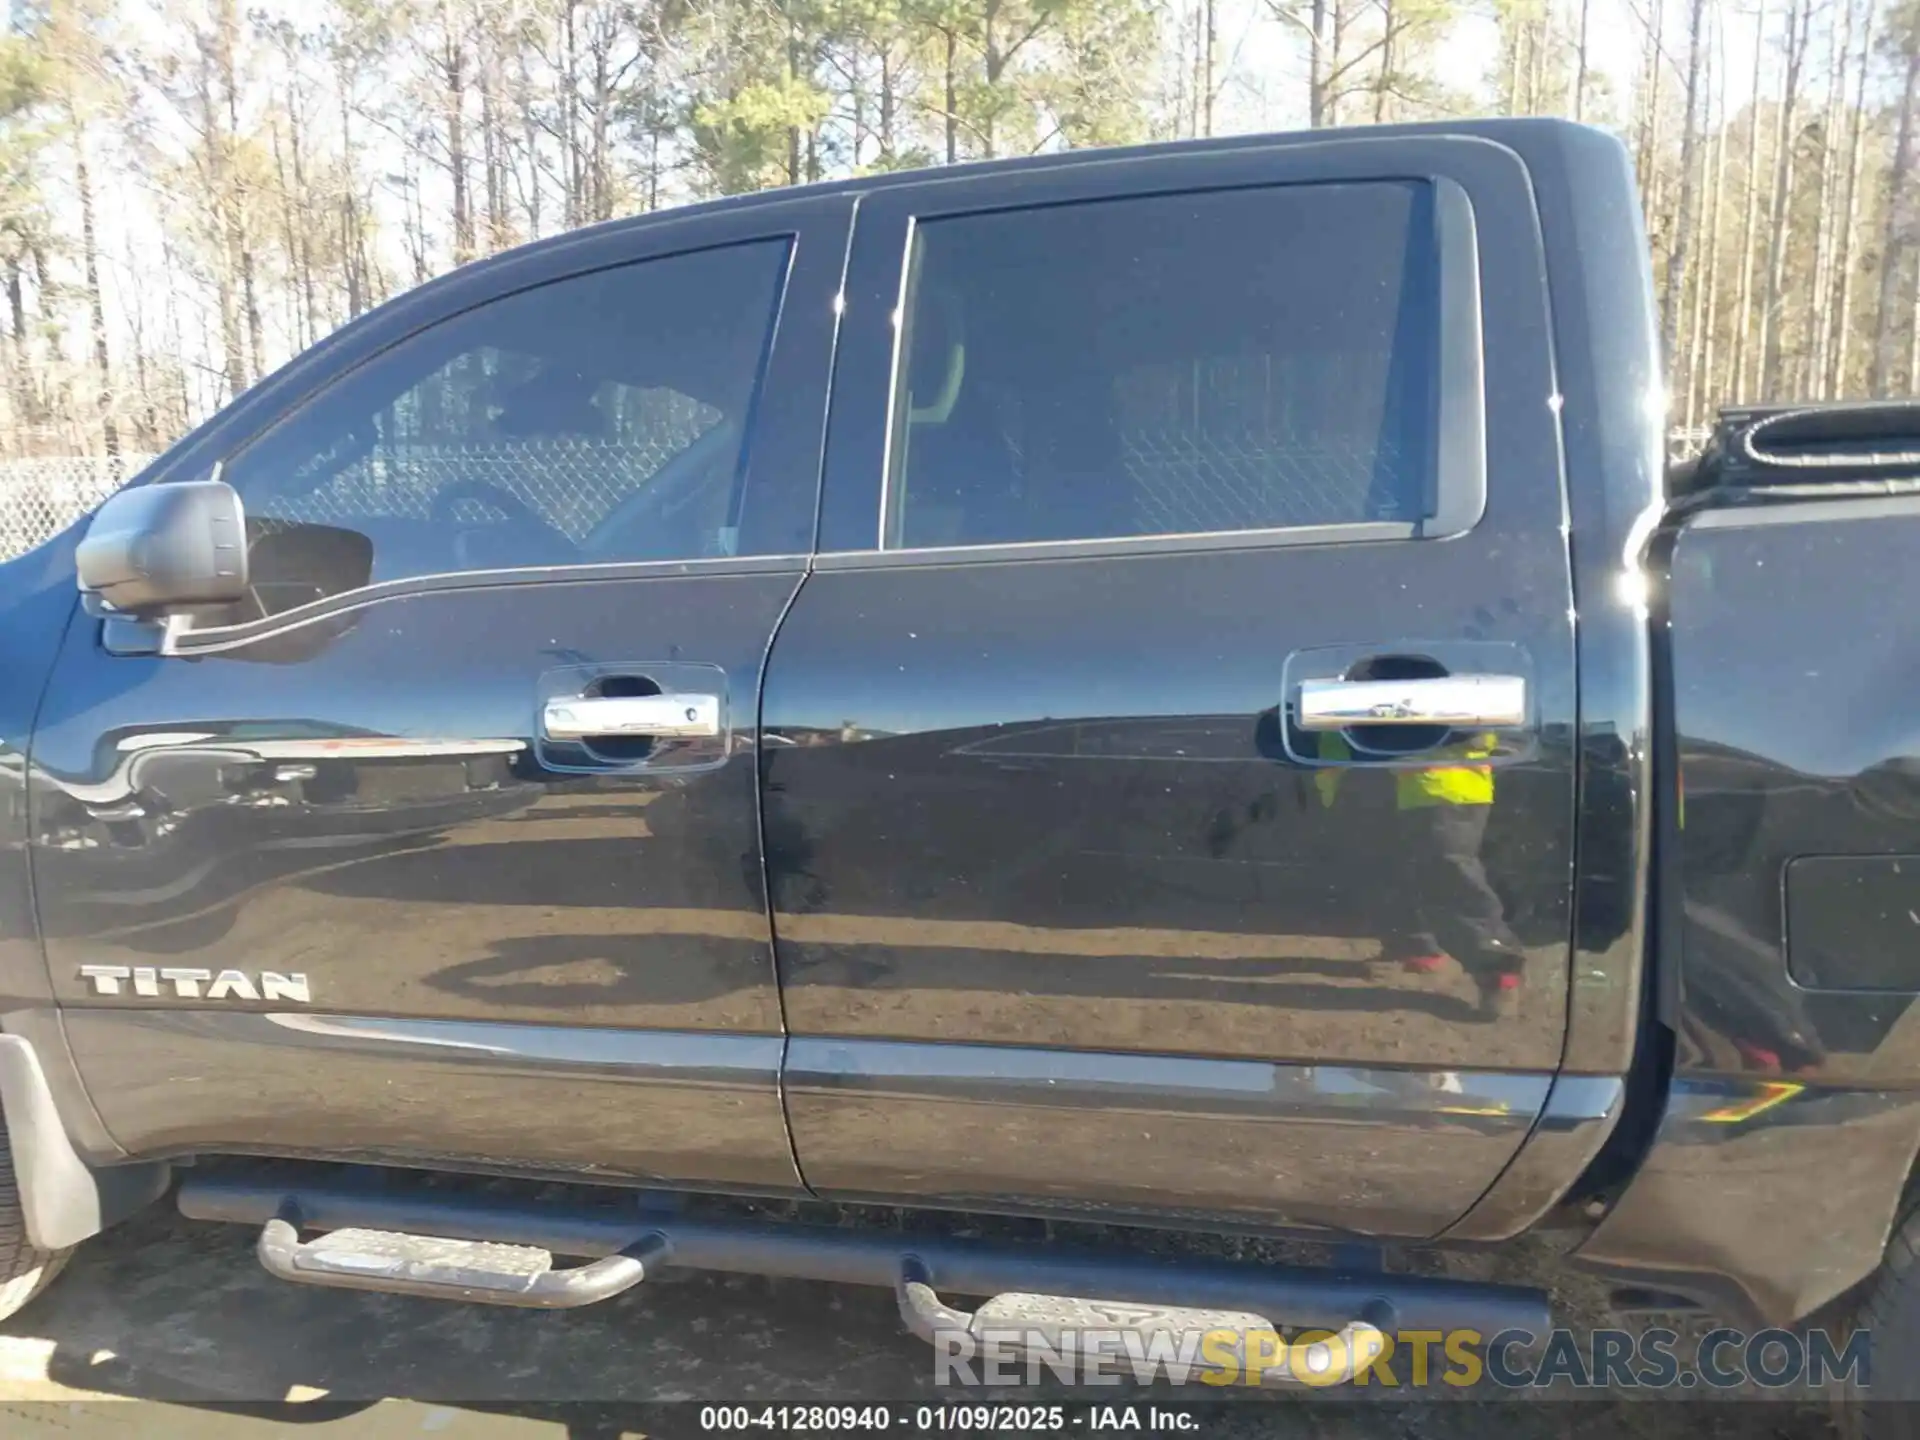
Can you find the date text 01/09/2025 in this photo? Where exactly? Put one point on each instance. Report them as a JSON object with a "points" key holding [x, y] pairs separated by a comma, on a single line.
{"points": [[959, 1418]]}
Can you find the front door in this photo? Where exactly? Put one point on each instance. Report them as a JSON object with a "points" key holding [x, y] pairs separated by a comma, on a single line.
{"points": [[1077, 906], [450, 833]]}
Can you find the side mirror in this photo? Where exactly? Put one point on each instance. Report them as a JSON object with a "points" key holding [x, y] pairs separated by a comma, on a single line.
{"points": [[156, 549]]}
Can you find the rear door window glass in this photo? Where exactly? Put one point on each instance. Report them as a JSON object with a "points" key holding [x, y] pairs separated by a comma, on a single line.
{"points": [[1163, 365]]}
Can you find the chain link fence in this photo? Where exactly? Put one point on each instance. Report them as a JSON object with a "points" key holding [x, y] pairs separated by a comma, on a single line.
{"points": [[568, 483], [572, 487], [1185, 484], [1685, 442], [1256, 441], [40, 497]]}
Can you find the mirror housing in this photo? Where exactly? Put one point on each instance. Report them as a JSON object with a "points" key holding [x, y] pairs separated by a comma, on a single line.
{"points": [[157, 549]]}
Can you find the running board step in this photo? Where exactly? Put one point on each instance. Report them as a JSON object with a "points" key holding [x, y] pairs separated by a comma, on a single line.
{"points": [[612, 1223], [1060, 1327], [477, 1271]]}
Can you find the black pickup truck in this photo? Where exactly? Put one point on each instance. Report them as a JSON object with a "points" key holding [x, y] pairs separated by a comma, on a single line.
{"points": [[1168, 687]]}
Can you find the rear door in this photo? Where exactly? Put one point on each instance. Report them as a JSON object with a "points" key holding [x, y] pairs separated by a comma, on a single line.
{"points": [[368, 866], [1125, 855]]}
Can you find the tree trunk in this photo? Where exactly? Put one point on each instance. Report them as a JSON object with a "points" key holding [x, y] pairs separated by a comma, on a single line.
{"points": [[1913, 332], [415, 223], [352, 273], [1782, 213], [888, 102], [1580, 65], [1713, 177], [1385, 84], [1743, 317], [145, 432], [1210, 32], [1839, 350], [1650, 117], [1813, 368], [250, 294], [309, 294], [20, 372], [43, 289], [1706, 316], [1537, 35], [1683, 225], [1512, 97], [1898, 227], [493, 151], [599, 166], [173, 332], [793, 76], [952, 97], [530, 138], [994, 65], [289, 231], [90, 270], [216, 79], [17, 302], [571, 164], [239, 236], [857, 97], [1317, 67], [454, 72], [1330, 76]]}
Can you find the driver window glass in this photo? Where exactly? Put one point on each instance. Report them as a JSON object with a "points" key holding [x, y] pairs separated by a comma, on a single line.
{"points": [[596, 419]]}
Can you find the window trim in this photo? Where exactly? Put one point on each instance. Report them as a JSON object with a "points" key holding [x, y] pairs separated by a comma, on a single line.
{"points": [[1459, 482], [1359, 532]]}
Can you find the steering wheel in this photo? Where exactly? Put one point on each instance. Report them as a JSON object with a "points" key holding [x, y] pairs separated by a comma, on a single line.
{"points": [[534, 540]]}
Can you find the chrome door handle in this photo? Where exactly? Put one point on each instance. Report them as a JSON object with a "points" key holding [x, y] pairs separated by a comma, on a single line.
{"points": [[1498, 702], [665, 717]]}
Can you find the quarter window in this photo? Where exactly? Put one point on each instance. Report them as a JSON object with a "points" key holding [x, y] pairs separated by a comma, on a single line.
{"points": [[1217, 361], [598, 418]]}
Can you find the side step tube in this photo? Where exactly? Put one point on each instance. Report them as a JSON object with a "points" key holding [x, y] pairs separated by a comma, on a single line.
{"points": [[1319, 1299], [1051, 1323], [477, 1271]]}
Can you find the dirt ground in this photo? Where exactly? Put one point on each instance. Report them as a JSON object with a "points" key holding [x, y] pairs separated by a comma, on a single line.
{"points": [[179, 1314]]}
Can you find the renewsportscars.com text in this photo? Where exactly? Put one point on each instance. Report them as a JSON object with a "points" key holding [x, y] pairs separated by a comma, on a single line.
{"points": [[1721, 1359]]}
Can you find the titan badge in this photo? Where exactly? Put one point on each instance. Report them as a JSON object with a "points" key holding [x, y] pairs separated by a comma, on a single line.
{"points": [[193, 984]]}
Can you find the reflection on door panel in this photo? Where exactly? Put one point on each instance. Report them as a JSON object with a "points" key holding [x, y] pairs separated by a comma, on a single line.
{"points": [[1047, 872], [400, 848], [349, 856], [409, 866]]}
